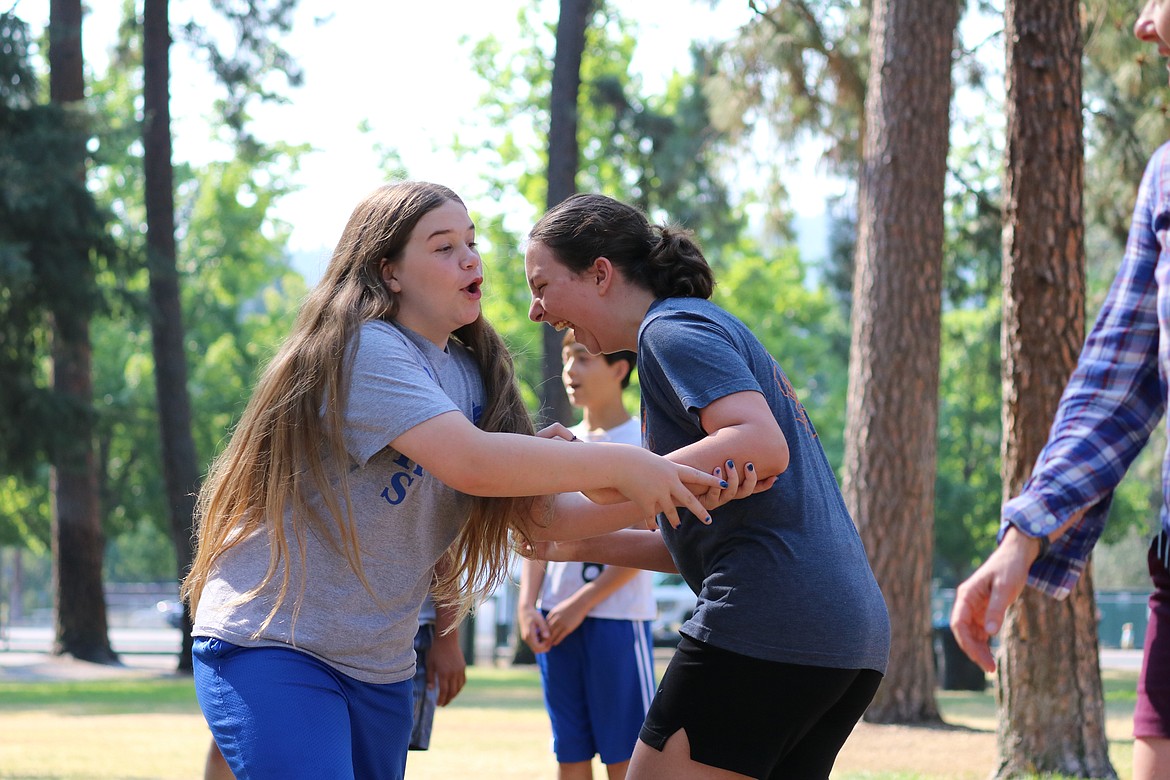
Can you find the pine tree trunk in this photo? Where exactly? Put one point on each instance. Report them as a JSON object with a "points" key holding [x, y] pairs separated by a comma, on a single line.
{"points": [[1051, 708], [180, 470], [563, 158], [82, 630], [892, 407]]}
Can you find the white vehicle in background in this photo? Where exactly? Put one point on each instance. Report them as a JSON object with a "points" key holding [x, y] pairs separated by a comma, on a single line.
{"points": [[676, 602]]}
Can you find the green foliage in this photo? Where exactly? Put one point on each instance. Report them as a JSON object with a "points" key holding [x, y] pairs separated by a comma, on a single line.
{"points": [[800, 68], [800, 325], [24, 512], [968, 486], [239, 298], [50, 233], [659, 152], [246, 61]]}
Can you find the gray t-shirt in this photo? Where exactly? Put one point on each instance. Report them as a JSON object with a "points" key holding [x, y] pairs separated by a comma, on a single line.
{"points": [[405, 518], [781, 575]]}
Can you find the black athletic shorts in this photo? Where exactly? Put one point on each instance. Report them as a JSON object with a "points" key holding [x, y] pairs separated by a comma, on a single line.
{"points": [[759, 718]]}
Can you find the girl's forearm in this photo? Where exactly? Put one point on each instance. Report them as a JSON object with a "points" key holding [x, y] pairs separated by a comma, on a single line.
{"points": [[574, 516], [504, 464], [632, 548]]}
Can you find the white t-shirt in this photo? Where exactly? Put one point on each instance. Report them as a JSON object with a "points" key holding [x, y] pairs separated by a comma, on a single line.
{"points": [[635, 599]]}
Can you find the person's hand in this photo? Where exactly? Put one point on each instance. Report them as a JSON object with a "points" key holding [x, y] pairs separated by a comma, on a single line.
{"points": [[737, 487], [597, 495], [565, 618], [446, 666], [659, 486], [981, 601], [534, 630], [556, 431]]}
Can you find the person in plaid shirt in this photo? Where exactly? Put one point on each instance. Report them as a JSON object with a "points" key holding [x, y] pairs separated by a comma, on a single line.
{"points": [[1113, 401]]}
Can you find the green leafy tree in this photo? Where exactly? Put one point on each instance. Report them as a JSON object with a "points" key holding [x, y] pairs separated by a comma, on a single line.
{"points": [[660, 152]]}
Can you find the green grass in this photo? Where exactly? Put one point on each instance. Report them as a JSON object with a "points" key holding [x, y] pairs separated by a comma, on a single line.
{"points": [[497, 728], [108, 697]]}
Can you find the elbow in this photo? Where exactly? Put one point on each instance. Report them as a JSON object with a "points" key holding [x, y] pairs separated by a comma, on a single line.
{"points": [[466, 475], [773, 459], [775, 464]]}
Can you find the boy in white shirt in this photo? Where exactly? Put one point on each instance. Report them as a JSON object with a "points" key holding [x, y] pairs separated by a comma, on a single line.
{"points": [[591, 631]]}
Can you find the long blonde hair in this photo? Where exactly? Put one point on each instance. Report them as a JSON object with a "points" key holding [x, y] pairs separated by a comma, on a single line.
{"points": [[278, 448]]}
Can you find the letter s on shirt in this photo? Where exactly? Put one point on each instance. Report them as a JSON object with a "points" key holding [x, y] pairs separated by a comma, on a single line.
{"points": [[395, 492]]}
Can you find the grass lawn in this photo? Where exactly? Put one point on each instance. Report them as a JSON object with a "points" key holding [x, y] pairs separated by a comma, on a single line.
{"points": [[497, 728]]}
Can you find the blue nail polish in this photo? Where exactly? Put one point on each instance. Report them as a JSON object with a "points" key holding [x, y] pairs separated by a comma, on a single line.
{"points": [[708, 520], [730, 464], [722, 483], [750, 467]]}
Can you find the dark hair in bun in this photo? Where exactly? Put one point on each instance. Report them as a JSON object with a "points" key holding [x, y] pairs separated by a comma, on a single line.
{"points": [[665, 260]]}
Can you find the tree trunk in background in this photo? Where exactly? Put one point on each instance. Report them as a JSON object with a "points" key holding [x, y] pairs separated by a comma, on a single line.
{"points": [[82, 630], [166, 313], [563, 157], [1051, 708], [892, 407]]}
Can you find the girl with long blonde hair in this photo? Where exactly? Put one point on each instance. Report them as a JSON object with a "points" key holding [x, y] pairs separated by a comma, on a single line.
{"points": [[385, 434]]}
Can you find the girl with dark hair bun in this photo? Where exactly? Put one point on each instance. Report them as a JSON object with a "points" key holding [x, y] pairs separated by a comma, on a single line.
{"points": [[790, 636], [387, 435]]}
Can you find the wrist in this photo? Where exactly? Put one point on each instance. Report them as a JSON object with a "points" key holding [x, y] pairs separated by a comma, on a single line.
{"points": [[1036, 547]]}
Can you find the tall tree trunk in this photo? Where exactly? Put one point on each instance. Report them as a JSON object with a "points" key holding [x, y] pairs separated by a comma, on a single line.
{"points": [[166, 314], [1051, 710], [563, 158], [894, 362], [82, 630]]}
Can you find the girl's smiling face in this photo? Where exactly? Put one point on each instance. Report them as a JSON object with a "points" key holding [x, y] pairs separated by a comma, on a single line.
{"points": [[562, 298]]}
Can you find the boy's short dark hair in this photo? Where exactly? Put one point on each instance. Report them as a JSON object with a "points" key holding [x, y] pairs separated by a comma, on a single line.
{"points": [[631, 358]]}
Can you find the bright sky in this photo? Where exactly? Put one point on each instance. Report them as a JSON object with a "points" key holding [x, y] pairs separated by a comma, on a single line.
{"points": [[398, 66]]}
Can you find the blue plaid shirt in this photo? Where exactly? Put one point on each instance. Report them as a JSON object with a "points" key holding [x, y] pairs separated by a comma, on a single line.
{"points": [[1112, 402]]}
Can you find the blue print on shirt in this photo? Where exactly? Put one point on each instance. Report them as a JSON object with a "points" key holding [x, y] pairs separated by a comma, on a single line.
{"points": [[400, 482]]}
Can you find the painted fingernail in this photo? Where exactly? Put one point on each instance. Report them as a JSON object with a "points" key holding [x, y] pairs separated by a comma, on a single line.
{"points": [[707, 520], [730, 464], [718, 471], [722, 483], [750, 467]]}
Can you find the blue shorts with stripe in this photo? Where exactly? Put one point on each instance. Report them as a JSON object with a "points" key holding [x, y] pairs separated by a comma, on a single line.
{"points": [[598, 684]]}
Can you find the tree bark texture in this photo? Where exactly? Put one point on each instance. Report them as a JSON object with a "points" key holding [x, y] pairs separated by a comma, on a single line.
{"points": [[892, 409], [82, 629], [180, 469], [563, 159], [1051, 705]]}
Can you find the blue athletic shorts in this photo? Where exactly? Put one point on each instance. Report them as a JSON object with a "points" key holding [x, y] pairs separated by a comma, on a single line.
{"points": [[598, 684], [425, 699], [276, 712]]}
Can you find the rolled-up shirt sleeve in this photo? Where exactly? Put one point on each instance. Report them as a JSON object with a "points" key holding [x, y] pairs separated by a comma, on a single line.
{"points": [[1112, 402]]}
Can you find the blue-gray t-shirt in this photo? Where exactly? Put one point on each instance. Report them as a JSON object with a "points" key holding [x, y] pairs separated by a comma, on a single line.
{"points": [[781, 575]]}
